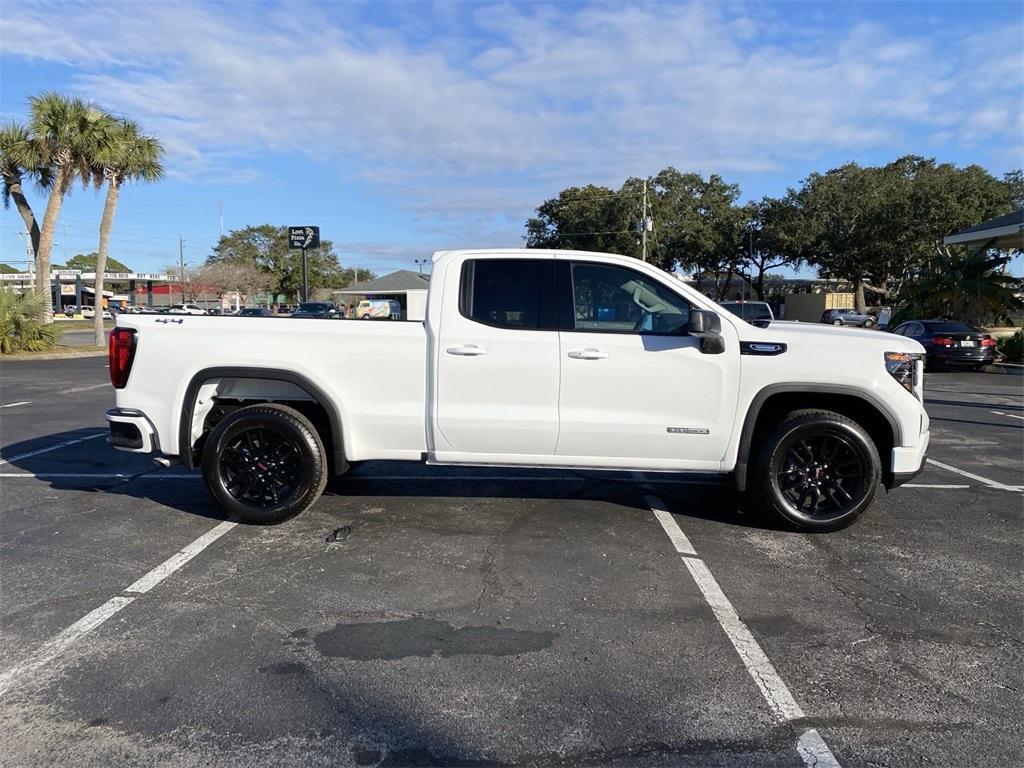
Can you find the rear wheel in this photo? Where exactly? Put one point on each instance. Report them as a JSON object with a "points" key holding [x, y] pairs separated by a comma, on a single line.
{"points": [[818, 471], [264, 463], [837, 322]]}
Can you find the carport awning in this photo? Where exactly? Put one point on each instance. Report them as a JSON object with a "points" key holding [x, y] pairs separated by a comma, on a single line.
{"points": [[1003, 232]]}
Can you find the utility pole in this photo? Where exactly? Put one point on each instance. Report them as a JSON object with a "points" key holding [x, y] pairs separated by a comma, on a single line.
{"points": [[30, 262], [181, 267], [646, 223]]}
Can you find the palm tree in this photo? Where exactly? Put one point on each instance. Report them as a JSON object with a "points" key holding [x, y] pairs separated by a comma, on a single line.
{"points": [[962, 284], [68, 132], [19, 158], [127, 156]]}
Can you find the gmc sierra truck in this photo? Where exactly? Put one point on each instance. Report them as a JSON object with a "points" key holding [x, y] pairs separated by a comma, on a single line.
{"points": [[527, 358]]}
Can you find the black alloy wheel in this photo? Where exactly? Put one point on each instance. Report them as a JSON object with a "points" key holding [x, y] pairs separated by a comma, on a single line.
{"points": [[260, 467], [264, 463], [818, 471], [821, 475]]}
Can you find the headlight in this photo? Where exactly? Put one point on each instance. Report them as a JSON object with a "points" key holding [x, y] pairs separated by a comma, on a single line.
{"points": [[908, 370]]}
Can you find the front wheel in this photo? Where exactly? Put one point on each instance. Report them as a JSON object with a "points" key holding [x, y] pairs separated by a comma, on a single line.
{"points": [[837, 322], [264, 463], [868, 323], [818, 471]]}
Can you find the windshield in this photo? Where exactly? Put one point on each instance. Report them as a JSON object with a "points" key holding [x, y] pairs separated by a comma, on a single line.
{"points": [[949, 328], [313, 306]]}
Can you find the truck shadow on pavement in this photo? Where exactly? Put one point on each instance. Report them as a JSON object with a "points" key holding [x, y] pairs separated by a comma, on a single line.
{"points": [[85, 463]]}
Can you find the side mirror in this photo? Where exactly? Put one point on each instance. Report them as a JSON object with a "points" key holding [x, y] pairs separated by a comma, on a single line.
{"points": [[704, 324], [707, 326]]}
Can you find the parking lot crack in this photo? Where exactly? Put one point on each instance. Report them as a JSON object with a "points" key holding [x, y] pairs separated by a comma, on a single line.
{"points": [[487, 569]]}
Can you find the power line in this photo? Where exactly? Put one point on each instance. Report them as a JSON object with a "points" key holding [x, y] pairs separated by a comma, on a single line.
{"points": [[610, 232], [601, 196]]}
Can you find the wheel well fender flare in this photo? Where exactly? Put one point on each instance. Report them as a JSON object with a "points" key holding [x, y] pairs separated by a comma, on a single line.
{"points": [[757, 403], [338, 460]]}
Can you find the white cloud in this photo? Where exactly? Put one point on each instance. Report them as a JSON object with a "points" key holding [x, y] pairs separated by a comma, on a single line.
{"points": [[523, 97]]}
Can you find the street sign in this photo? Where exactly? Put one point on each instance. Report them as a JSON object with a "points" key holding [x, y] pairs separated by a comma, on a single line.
{"points": [[304, 237]]}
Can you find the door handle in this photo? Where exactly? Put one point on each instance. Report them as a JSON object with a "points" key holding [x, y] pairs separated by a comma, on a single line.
{"points": [[588, 354], [466, 350]]}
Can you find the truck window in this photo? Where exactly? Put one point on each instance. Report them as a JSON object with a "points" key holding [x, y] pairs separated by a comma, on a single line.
{"points": [[615, 299], [509, 293]]}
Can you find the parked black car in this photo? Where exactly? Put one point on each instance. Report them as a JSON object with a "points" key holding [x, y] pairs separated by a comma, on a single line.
{"points": [[950, 343], [315, 309], [255, 312]]}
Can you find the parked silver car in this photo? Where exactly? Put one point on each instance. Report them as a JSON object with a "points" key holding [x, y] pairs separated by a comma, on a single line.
{"points": [[847, 317]]}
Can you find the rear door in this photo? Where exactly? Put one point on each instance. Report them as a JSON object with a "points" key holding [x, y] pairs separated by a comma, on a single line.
{"points": [[636, 390], [498, 363]]}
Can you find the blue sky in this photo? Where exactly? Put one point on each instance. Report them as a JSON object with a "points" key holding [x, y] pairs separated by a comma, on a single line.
{"points": [[405, 127]]}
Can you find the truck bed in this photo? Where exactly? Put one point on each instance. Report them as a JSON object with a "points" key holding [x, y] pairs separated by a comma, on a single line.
{"points": [[374, 371]]}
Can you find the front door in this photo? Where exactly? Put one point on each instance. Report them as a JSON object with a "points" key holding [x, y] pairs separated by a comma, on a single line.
{"points": [[498, 363], [636, 390]]}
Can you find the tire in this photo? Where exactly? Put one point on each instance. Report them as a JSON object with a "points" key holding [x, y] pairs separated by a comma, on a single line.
{"points": [[837, 322], [263, 487], [836, 452], [868, 323]]}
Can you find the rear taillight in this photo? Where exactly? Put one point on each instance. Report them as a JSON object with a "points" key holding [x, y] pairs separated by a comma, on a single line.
{"points": [[943, 341], [121, 353], [988, 341]]}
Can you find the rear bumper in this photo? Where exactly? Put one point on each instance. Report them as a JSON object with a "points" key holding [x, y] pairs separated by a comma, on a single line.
{"points": [[908, 462], [963, 356], [130, 430]]}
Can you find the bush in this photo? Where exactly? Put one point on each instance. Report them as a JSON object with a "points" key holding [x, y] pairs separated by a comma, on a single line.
{"points": [[21, 323], [1011, 347]]}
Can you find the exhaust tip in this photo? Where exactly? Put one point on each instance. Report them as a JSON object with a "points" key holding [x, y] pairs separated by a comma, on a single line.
{"points": [[162, 461]]}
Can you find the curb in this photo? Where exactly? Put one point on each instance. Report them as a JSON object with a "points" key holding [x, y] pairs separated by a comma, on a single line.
{"points": [[1013, 369], [19, 356]]}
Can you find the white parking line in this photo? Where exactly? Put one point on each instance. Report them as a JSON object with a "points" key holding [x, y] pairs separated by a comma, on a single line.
{"points": [[51, 448], [85, 389], [59, 644], [933, 485], [811, 747], [15, 405], [984, 480], [96, 476], [149, 475], [998, 413]]}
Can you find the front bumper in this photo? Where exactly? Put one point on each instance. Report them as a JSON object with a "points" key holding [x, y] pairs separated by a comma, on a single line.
{"points": [[130, 430], [908, 462]]}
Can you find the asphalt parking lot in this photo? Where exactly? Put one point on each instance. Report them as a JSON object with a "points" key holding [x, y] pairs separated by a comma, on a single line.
{"points": [[422, 616]]}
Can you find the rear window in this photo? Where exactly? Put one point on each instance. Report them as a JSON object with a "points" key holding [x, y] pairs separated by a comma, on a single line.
{"points": [[509, 293], [949, 328]]}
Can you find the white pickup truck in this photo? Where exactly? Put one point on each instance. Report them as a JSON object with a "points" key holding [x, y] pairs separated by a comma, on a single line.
{"points": [[527, 358]]}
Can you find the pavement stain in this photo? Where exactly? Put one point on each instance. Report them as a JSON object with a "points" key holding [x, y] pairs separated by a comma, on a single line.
{"points": [[393, 640]]}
